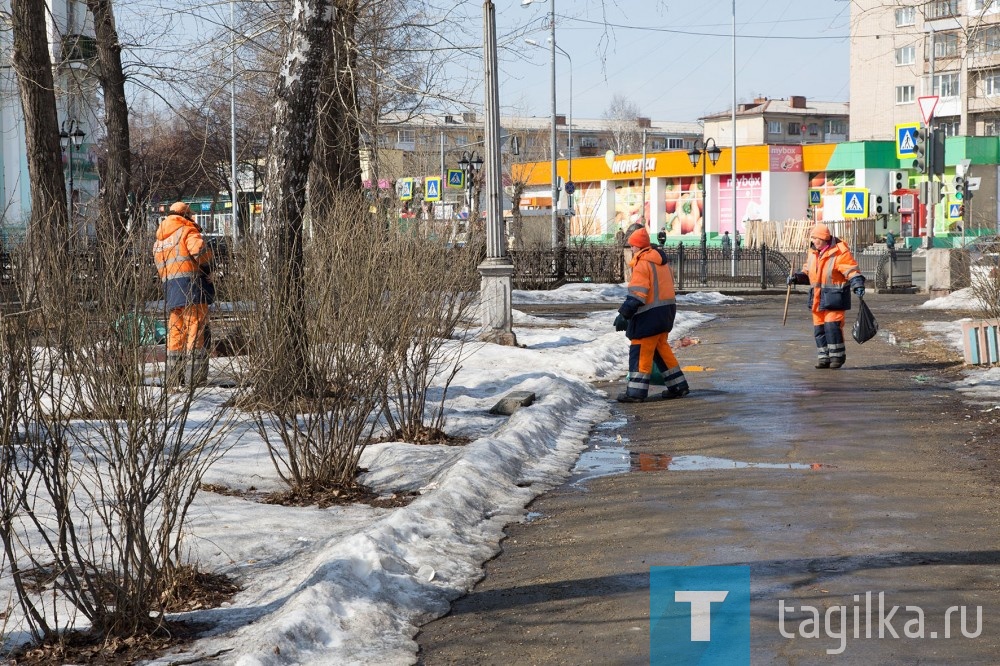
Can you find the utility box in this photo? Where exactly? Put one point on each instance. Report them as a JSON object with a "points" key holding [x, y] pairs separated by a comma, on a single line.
{"points": [[947, 270]]}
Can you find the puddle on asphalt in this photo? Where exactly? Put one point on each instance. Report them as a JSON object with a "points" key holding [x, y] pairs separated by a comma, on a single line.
{"points": [[609, 456]]}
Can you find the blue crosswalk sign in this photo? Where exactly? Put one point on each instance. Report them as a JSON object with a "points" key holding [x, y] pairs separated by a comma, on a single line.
{"points": [[456, 178], [955, 211], [906, 140], [432, 188], [855, 202]]}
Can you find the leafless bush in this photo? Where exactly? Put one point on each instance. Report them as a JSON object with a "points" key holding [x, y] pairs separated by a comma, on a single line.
{"points": [[431, 292], [100, 463], [316, 371]]}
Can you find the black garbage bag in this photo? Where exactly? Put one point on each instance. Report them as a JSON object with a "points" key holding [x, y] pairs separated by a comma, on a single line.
{"points": [[865, 327]]}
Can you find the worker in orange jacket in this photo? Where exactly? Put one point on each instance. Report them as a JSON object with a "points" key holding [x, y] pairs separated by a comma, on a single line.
{"points": [[832, 273], [647, 317], [184, 264]]}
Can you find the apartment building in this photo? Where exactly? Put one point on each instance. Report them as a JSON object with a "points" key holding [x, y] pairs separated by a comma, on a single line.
{"points": [[906, 49], [794, 120]]}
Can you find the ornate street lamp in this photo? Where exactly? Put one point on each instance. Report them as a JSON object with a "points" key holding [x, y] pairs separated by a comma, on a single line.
{"points": [[70, 134], [470, 164], [700, 149]]}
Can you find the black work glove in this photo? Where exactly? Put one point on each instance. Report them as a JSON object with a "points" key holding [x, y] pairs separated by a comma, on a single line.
{"points": [[859, 292], [621, 323], [791, 279]]}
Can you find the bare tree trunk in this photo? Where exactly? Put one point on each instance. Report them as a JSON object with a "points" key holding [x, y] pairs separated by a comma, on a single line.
{"points": [[115, 175], [49, 216], [289, 155], [336, 163]]}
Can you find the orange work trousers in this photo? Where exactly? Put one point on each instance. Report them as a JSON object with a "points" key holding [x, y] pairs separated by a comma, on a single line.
{"points": [[186, 328]]}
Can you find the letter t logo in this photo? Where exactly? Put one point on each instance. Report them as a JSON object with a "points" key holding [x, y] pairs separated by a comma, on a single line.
{"points": [[701, 610]]}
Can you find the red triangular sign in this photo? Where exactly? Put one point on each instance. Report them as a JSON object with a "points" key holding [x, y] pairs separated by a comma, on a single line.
{"points": [[927, 105]]}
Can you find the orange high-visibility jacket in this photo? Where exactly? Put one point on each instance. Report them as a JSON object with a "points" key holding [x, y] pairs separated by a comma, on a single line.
{"points": [[650, 306], [829, 273], [183, 260]]}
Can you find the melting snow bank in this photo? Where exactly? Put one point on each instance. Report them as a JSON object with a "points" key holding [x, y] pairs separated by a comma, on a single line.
{"points": [[360, 598]]}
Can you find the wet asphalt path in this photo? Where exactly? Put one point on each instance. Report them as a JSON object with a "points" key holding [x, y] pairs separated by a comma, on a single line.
{"points": [[886, 495]]}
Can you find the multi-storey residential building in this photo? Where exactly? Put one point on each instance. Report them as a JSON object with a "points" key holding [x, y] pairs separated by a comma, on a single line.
{"points": [[780, 121], [906, 49]]}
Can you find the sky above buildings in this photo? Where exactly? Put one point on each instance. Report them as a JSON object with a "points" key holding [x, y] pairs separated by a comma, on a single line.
{"points": [[674, 59]]}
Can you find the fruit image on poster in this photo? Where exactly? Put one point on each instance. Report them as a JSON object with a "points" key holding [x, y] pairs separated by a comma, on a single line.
{"points": [[829, 184], [628, 206], [683, 204], [587, 202]]}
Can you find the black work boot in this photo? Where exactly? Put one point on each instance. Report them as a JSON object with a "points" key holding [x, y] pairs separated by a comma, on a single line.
{"points": [[823, 363], [837, 362], [676, 392], [625, 397]]}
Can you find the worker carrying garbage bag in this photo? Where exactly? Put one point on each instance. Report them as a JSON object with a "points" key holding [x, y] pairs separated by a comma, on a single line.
{"points": [[647, 317], [184, 263], [832, 273]]}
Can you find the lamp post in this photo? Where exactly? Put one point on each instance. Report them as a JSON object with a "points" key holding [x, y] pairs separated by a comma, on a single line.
{"points": [[552, 139], [569, 138], [470, 164], [700, 149], [70, 137]]}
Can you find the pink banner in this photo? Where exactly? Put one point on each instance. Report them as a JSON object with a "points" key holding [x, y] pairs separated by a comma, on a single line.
{"points": [[785, 158]]}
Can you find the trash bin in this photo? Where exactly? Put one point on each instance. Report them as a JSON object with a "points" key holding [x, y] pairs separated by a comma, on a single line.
{"points": [[141, 329]]}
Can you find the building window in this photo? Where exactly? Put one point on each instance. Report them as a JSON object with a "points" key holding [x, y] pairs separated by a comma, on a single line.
{"points": [[906, 16], [945, 44], [947, 85], [906, 55], [794, 129], [991, 127], [588, 142], [406, 136], [991, 83], [773, 127], [987, 41], [813, 129], [904, 94], [461, 140], [657, 144], [983, 6], [941, 9], [949, 127], [836, 127], [675, 143]]}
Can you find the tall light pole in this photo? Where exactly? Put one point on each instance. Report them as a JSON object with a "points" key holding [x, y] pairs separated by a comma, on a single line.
{"points": [[71, 138], [552, 138], [497, 270], [232, 117], [569, 138], [698, 151]]}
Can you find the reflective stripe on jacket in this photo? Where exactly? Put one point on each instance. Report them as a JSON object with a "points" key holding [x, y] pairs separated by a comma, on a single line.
{"points": [[650, 306], [179, 250], [829, 273]]}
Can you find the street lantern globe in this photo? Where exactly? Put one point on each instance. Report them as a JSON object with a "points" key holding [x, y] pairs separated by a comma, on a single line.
{"points": [[477, 162], [714, 153], [77, 135], [694, 155], [63, 138], [463, 163]]}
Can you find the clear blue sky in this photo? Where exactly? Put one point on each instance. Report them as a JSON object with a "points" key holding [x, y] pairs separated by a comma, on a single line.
{"points": [[673, 59]]}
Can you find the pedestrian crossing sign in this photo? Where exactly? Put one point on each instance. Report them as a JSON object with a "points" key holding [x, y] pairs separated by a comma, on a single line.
{"points": [[855, 202], [906, 140], [456, 178], [955, 210], [815, 197], [432, 188], [406, 189]]}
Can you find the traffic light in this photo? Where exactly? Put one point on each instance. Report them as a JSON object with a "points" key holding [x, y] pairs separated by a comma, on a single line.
{"points": [[936, 139], [922, 146], [897, 181], [960, 187], [879, 202]]}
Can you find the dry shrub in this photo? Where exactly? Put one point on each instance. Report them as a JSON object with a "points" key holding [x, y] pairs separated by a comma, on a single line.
{"points": [[99, 503], [316, 316], [431, 291]]}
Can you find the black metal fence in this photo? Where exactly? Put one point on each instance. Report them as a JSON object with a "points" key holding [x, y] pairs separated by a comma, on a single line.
{"points": [[757, 268]]}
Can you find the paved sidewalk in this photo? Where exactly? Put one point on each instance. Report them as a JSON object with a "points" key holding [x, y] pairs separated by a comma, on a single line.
{"points": [[898, 504]]}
